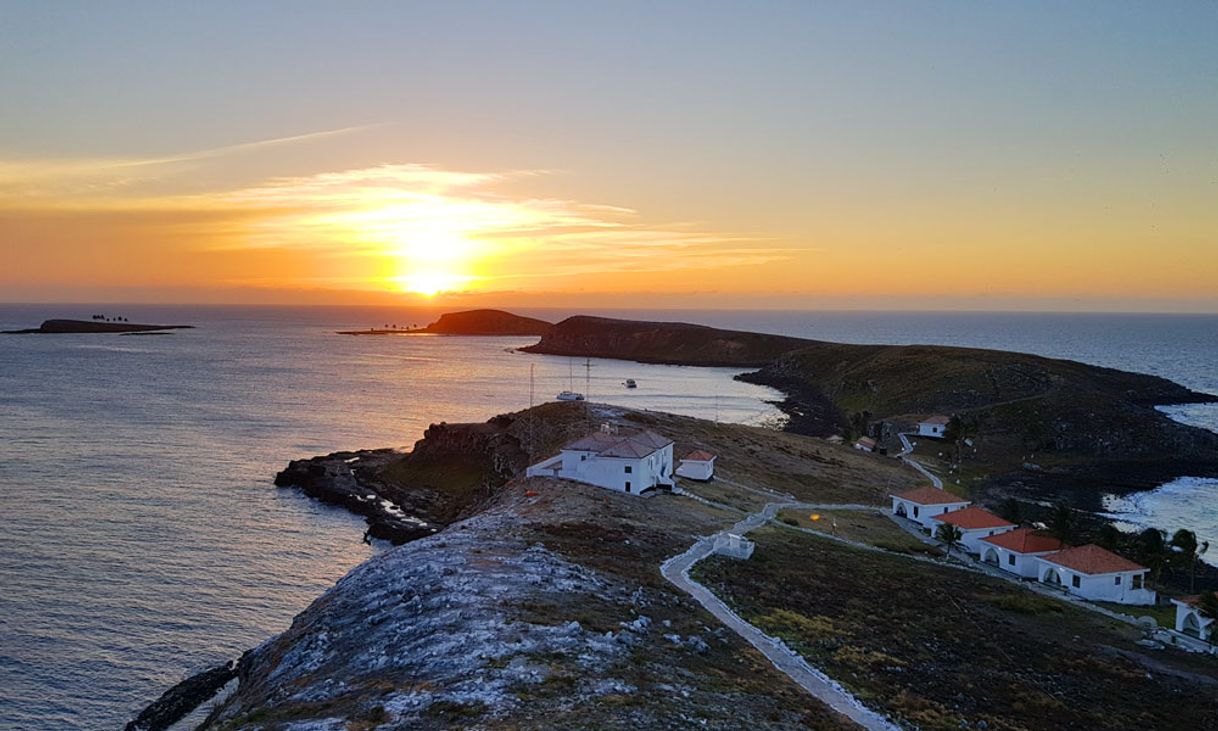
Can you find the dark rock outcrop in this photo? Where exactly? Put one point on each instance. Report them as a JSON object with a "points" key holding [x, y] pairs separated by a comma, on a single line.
{"points": [[66, 327], [470, 322], [175, 703]]}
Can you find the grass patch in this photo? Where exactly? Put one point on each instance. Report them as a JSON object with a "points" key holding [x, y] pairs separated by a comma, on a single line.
{"points": [[863, 526], [940, 648]]}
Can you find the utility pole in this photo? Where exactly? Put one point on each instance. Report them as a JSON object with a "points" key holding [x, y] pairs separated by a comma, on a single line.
{"points": [[531, 383]]}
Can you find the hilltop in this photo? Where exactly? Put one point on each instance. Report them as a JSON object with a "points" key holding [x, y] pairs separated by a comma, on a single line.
{"points": [[540, 604], [1041, 426], [672, 343]]}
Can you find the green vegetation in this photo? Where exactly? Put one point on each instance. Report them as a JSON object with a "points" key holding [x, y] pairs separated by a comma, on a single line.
{"points": [[859, 525], [943, 649]]}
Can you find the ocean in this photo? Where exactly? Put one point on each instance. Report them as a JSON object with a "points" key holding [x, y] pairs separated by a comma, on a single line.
{"points": [[142, 539]]}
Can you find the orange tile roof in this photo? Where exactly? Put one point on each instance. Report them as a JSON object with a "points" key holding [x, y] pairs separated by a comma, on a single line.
{"points": [[931, 496], [1025, 540], [1192, 601], [1091, 559], [938, 419], [972, 518], [699, 455]]}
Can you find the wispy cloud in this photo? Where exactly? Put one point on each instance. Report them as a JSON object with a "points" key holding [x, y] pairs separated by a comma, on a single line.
{"points": [[421, 225]]}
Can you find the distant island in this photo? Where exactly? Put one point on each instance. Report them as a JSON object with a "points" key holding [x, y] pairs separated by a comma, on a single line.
{"points": [[470, 322], [69, 327]]}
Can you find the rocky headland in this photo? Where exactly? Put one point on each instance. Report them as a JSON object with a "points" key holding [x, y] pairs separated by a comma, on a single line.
{"points": [[541, 605], [1042, 428]]}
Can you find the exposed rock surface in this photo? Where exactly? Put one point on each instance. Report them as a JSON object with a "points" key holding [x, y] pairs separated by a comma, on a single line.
{"points": [[183, 698]]}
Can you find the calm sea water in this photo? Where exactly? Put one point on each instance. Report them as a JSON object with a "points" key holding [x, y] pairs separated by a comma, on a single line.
{"points": [[142, 539]]}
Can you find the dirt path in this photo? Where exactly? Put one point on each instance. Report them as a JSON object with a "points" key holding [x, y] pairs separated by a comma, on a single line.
{"points": [[676, 570]]}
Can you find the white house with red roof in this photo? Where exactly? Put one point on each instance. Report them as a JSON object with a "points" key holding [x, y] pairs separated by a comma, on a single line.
{"points": [[1096, 573], [975, 524], [1190, 620], [697, 465], [1016, 551], [865, 444], [630, 462], [933, 426], [922, 504]]}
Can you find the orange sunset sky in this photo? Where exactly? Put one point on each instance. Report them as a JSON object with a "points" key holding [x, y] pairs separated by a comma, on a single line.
{"points": [[819, 155]]}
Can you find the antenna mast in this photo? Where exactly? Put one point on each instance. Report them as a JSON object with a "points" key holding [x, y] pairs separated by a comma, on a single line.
{"points": [[531, 382]]}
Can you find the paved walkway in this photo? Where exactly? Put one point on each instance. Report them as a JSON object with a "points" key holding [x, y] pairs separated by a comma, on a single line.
{"points": [[906, 450], [676, 570]]}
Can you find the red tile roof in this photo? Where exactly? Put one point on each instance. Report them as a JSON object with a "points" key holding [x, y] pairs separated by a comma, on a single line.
{"points": [[972, 519], [931, 496], [1091, 559], [699, 455], [1025, 540], [866, 441], [936, 420]]}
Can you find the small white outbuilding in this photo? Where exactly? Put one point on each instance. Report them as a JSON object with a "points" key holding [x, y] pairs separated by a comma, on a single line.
{"points": [[697, 465], [1190, 620], [1096, 573], [734, 546], [933, 426]]}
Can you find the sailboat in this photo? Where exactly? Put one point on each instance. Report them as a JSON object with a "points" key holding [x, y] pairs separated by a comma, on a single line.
{"points": [[570, 394]]}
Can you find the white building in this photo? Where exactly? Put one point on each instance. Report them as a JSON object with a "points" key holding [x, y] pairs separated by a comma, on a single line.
{"points": [[865, 444], [1095, 573], [975, 524], [924, 503], [697, 465], [933, 426], [1190, 620], [733, 546], [629, 462], [1016, 551]]}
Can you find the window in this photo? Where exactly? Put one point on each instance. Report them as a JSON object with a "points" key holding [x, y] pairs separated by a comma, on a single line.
{"points": [[583, 458], [627, 485], [1011, 559], [1075, 582], [915, 511], [1137, 581], [1116, 580], [629, 469]]}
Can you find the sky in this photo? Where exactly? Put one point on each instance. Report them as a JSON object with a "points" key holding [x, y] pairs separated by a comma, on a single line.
{"points": [[841, 155]]}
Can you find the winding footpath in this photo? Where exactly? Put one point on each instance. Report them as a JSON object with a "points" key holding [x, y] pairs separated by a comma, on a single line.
{"points": [[906, 450], [676, 570]]}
